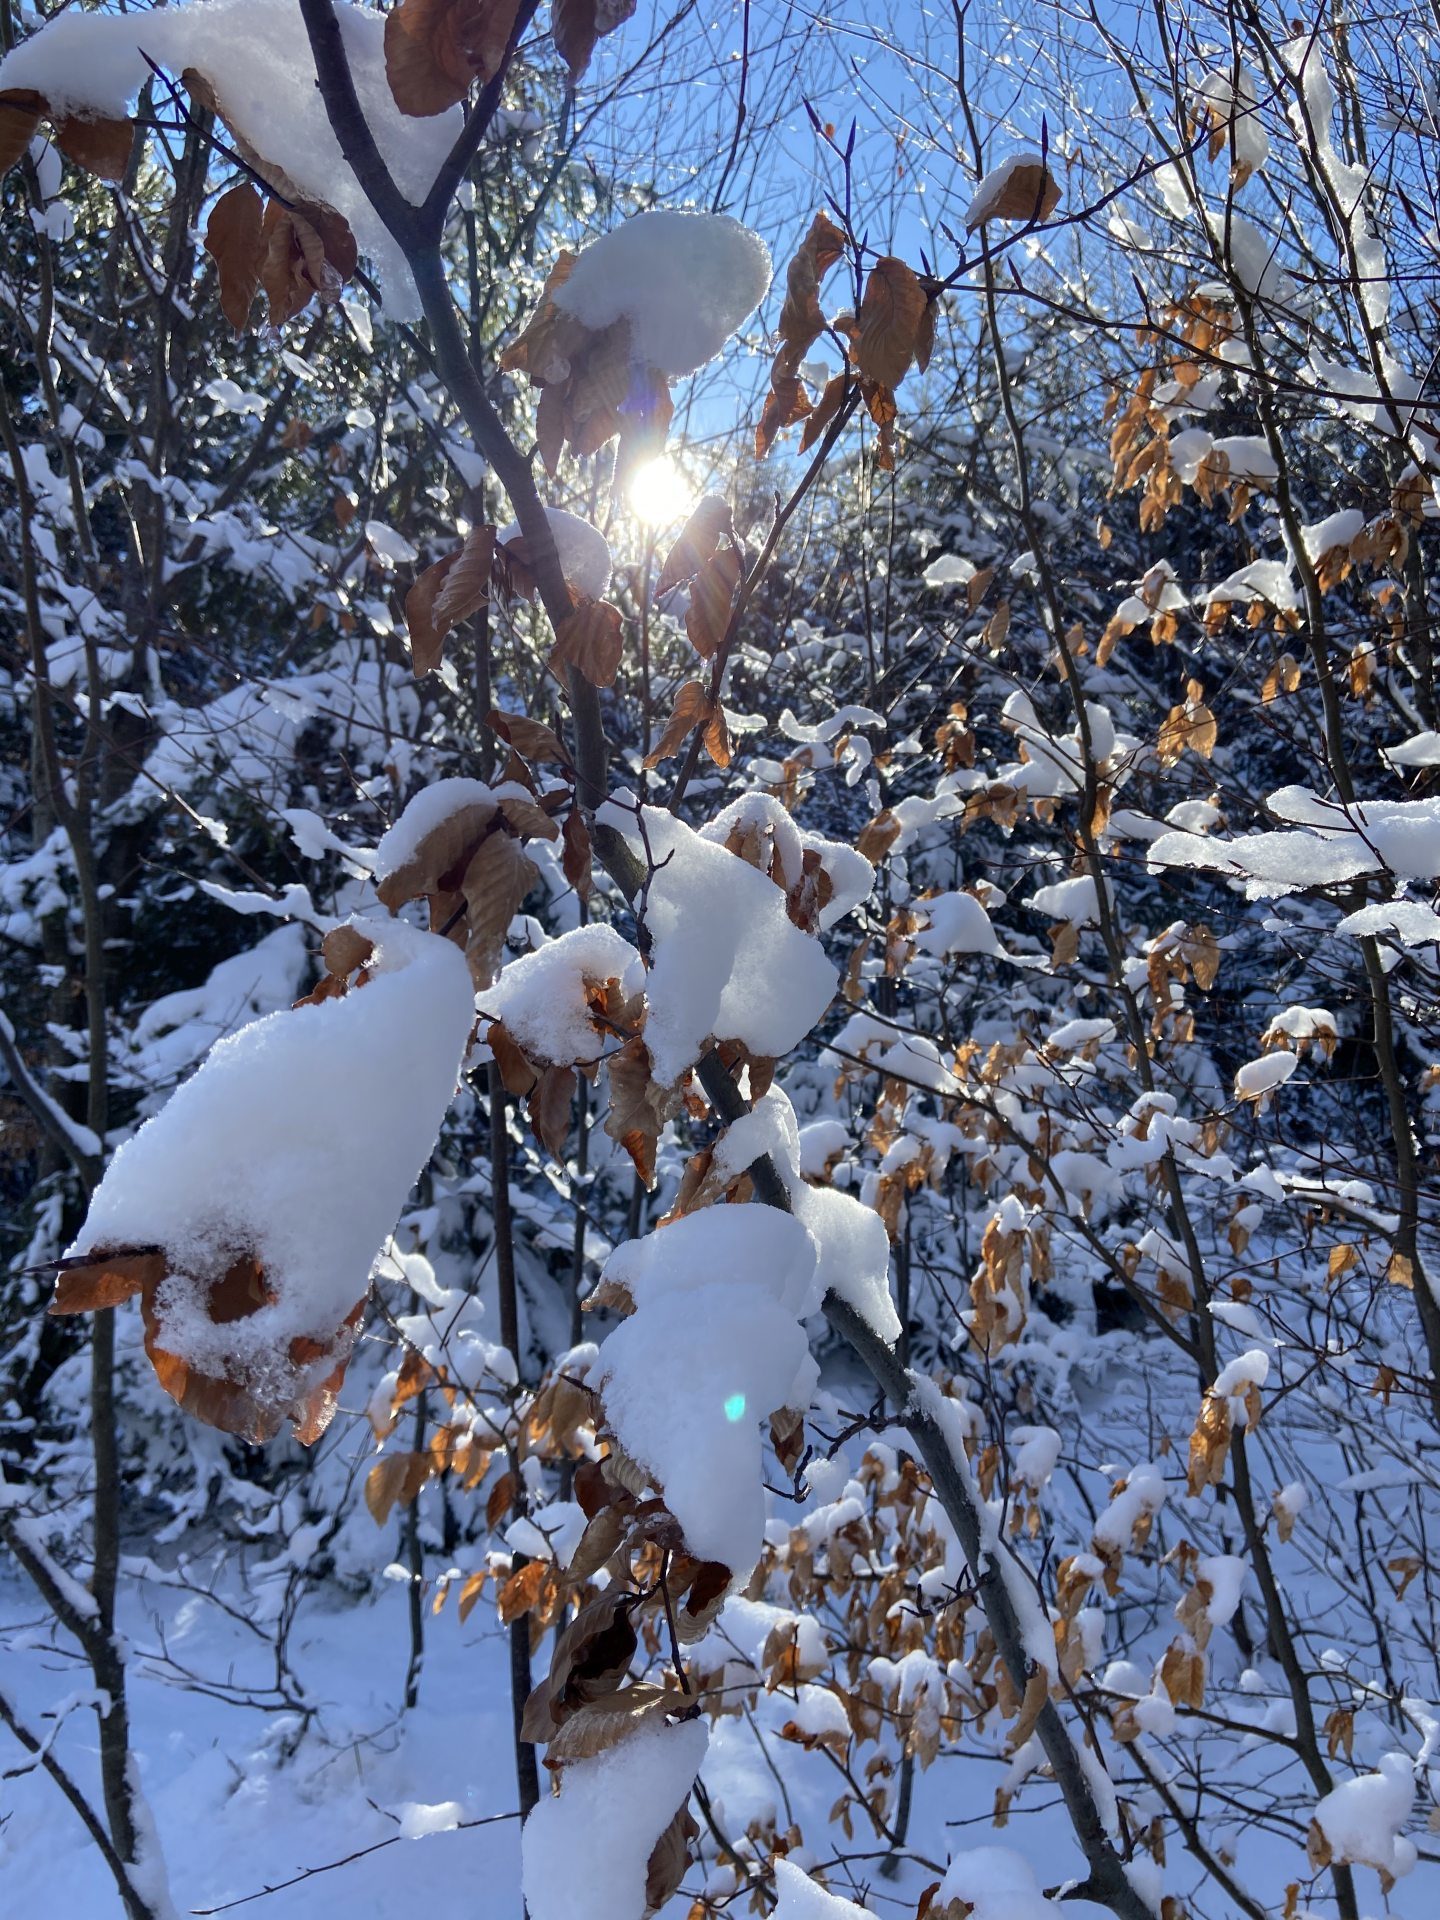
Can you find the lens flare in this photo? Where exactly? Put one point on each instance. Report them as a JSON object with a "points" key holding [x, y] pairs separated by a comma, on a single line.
{"points": [[659, 492], [735, 1407]]}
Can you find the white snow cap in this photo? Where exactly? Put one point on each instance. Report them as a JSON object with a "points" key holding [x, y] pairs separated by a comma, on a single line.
{"points": [[298, 1140], [541, 996], [684, 281], [998, 1884], [585, 1851], [713, 1349], [1362, 1818], [584, 551], [256, 55], [727, 960], [798, 1897]]}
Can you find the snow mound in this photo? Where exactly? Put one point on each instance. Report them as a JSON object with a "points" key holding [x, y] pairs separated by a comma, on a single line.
{"points": [[998, 1884], [541, 996], [727, 961], [297, 1142], [684, 281], [598, 1833], [584, 551], [1362, 1818], [798, 1897]]}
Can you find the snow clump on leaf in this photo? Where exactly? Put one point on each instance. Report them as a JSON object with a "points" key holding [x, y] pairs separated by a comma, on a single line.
{"points": [[684, 281], [251, 1210]]}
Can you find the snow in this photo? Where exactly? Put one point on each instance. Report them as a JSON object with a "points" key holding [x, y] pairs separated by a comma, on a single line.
{"points": [[298, 1140], [256, 56], [684, 281], [993, 185], [1239, 107], [430, 808], [541, 996], [958, 924], [1224, 1574], [798, 1897], [948, 570], [998, 1884], [1259, 1077], [1335, 530], [1073, 900], [726, 960], [713, 1349], [854, 1254], [599, 1831], [743, 1246], [1362, 1818], [585, 558]]}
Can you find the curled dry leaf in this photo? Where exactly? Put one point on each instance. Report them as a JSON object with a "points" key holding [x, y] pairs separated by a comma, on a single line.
{"points": [[440, 858], [712, 595], [253, 1410], [495, 883], [523, 1591], [699, 538], [308, 250], [889, 329], [602, 1724], [590, 639], [692, 706], [801, 321], [532, 738], [577, 24], [669, 1858], [639, 1106], [436, 49], [1027, 191], [344, 949]]}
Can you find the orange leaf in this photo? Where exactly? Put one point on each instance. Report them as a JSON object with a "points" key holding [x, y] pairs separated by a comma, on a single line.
{"points": [[435, 49], [521, 1591], [691, 706], [21, 110], [891, 316], [105, 1281], [590, 639], [232, 239], [101, 147], [711, 597]]}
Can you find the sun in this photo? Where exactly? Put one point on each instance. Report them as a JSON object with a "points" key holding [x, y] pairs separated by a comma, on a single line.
{"points": [[659, 492]]}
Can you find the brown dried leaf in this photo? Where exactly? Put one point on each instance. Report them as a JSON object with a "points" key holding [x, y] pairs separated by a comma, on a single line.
{"points": [[669, 1857], [470, 1592], [575, 855], [105, 1281], [592, 1656], [440, 859], [549, 1108], [21, 111], [639, 1106], [344, 949], [577, 24], [522, 1591], [435, 49], [591, 640], [824, 411], [101, 147], [530, 738], [1027, 193], [891, 315], [692, 706], [699, 538], [233, 241], [712, 594], [602, 1724], [496, 881]]}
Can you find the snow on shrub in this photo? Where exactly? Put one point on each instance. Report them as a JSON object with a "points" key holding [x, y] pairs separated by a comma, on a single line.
{"points": [[249, 1213], [798, 1897], [251, 60], [1361, 1820], [584, 551], [619, 1827], [653, 299]]}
